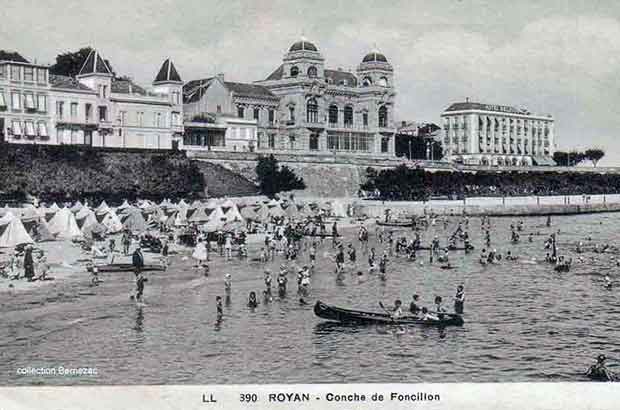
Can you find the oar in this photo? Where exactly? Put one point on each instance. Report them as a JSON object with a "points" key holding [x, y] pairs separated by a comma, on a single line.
{"points": [[386, 311]]}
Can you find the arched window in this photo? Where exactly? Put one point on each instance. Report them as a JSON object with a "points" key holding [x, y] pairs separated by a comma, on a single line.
{"points": [[312, 111], [383, 116], [312, 72], [294, 71], [314, 142], [383, 82], [333, 114], [348, 116], [342, 83], [367, 81]]}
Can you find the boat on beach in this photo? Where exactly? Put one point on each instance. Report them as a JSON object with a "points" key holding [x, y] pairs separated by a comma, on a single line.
{"points": [[128, 267], [396, 224], [325, 311]]}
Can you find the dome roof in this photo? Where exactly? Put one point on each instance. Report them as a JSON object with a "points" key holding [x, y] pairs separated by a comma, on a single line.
{"points": [[303, 45], [374, 57]]}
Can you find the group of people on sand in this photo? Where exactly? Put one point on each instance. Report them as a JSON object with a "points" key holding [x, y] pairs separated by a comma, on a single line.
{"points": [[26, 262]]}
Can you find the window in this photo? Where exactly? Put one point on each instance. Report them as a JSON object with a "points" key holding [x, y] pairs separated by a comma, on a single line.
{"points": [[312, 72], [74, 110], [291, 142], [140, 118], [17, 128], [291, 114], [60, 106], [383, 116], [2, 71], [41, 75], [2, 100], [240, 112], [30, 129], [122, 118], [348, 116], [367, 81], [43, 130], [158, 120], [88, 111], [256, 113], [271, 116], [312, 111], [219, 109], [343, 83], [105, 91], [176, 119], [103, 113], [42, 103], [294, 71], [383, 82], [16, 101], [175, 97], [272, 141], [314, 142], [333, 114], [365, 119], [29, 102], [15, 73], [74, 136], [28, 74]]}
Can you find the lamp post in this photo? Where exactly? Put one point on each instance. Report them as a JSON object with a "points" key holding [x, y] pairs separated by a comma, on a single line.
{"points": [[409, 148]]}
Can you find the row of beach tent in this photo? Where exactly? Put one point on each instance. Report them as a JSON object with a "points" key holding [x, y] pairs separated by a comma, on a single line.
{"points": [[19, 225]]}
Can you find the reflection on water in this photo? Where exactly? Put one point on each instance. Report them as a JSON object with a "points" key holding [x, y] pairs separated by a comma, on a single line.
{"points": [[523, 321]]}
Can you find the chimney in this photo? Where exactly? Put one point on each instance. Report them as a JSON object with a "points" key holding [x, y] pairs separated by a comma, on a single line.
{"points": [[220, 76], [466, 99], [403, 124]]}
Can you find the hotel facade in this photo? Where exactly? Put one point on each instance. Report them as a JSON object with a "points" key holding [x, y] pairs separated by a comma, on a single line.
{"points": [[302, 107], [94, 108], [496, 135]]}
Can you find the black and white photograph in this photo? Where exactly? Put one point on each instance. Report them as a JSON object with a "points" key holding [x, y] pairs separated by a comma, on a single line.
{"points": [[309, 192]]}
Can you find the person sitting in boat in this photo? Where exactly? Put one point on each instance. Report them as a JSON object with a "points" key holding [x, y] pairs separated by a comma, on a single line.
{"points": [[438, 308], [459, 299], [599, 371], [252, 301], [414, 308], [426, 315], [397, 311]]}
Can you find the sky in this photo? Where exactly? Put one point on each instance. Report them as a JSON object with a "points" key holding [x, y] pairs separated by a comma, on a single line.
{"points": [[551, 57]]}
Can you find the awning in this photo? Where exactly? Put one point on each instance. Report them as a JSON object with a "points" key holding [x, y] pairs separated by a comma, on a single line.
{"points": [[543, 161], [29, 102], [30, 129], [17, 128], [2, 100], [43, 129]]}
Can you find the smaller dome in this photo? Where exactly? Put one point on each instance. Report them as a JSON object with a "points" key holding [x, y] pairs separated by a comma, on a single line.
{"points": [[303, 45], [374, 57]]}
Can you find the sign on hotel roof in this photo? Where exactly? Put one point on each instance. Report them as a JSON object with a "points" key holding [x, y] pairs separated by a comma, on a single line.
{"points": [[464, 106]]}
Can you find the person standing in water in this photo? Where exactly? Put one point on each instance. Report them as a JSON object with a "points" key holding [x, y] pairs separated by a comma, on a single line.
{"points": [[459, 300], [220, 310], [140, 281], [252, 301], [138, 261]]}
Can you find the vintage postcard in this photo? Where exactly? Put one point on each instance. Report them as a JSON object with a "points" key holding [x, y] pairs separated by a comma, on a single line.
{"points": [[309, 204]]}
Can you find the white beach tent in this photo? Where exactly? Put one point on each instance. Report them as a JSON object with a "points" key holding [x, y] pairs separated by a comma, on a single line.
{"points": [[103, 206], [111, 221], [233, 214], [338, 208], [12, 231], [85, 217], [64, 226], [227, 204], [212, 204], [123, 207], [76, 208], [54, 207], [217, 215], [182, 204]]}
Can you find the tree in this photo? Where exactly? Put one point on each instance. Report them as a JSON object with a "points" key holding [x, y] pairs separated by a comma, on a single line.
{"points": [[70, 63], [273, 179], [594, 155]]}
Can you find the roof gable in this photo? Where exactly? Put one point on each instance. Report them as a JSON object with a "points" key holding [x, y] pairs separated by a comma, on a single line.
{"points": [[95, 64], [277, 74], [12, 56], [192, 90], [167, 73], [336, 77], [250, 90]]}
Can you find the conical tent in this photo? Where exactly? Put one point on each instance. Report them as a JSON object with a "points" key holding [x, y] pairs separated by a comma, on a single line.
{"points": [[227, 204], [212, 226], [199, 215], [85, 217], [134, 221], [75, 208], [111, 221], [28, 214], [182, 204], [103, 206], [233, 214], [180, 218], [248, 212], [54, 207], [94, 229], [212, 204], [12, 232], [217, 215], [263, 213], [63, 225], [123, 206], [276, 212], [43, 231], [273, 203], [291, 211]]}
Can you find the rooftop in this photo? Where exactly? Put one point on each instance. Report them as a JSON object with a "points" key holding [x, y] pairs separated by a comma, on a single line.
{"points": [[95, 64], [12, 56], [167, 73], [65, 82], [468, 105]]}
